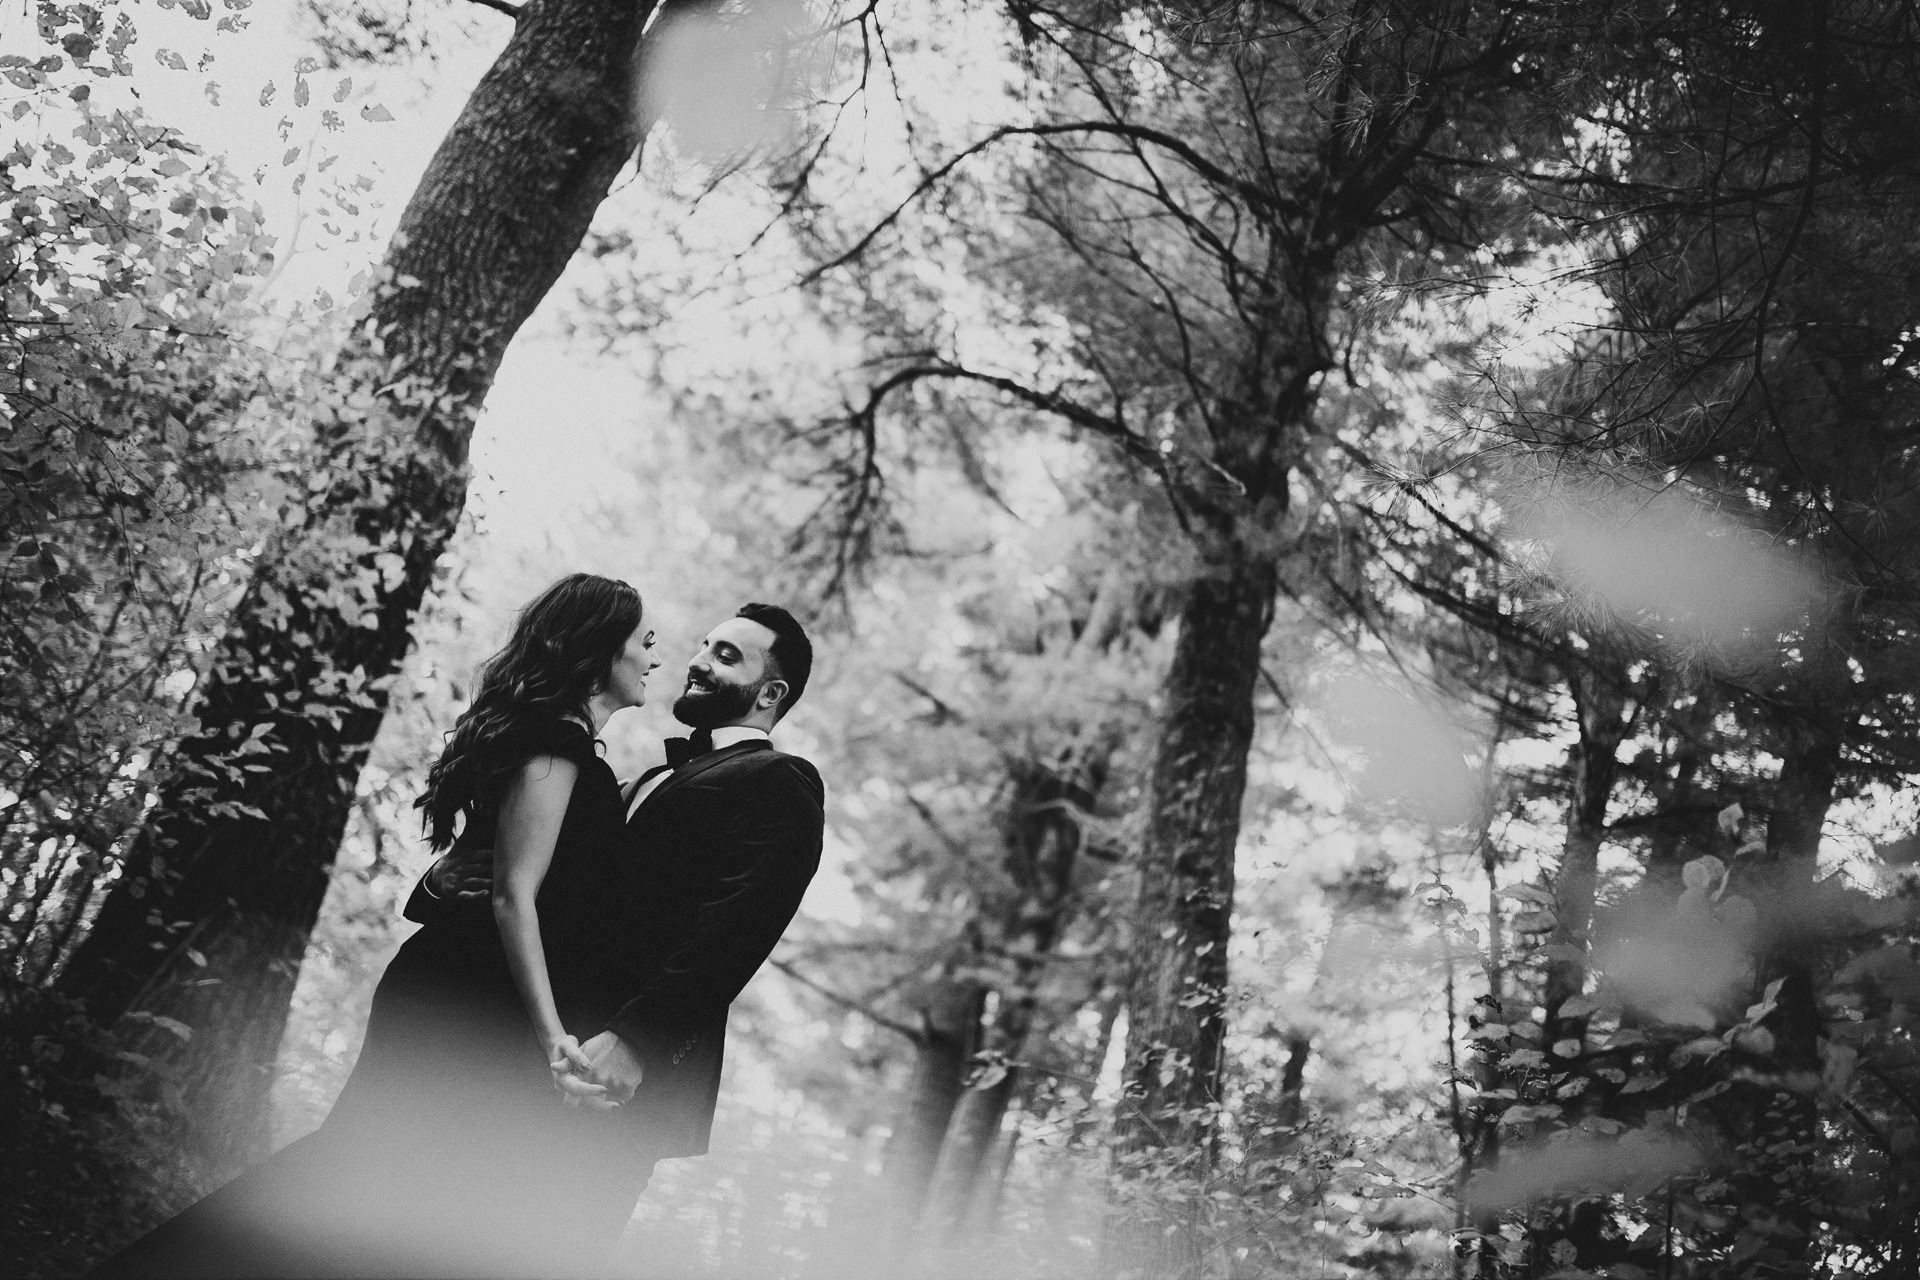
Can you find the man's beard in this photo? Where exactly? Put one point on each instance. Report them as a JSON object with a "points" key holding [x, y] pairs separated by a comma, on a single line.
{"points": [[716, 705]]}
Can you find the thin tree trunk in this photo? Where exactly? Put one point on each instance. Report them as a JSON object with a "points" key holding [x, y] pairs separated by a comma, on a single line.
{"points": [[971, 1140], [210, 919], [949, 1035], [1774, 1179], [1479, 1138], [1667, 850], [1600, 705], [1043, 834]]}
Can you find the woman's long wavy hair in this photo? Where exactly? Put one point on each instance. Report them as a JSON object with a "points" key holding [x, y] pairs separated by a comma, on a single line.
{"points": [[560, 654]]}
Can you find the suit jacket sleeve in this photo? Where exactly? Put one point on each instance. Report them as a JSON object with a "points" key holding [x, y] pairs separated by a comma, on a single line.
{"points": [[761, 858]]}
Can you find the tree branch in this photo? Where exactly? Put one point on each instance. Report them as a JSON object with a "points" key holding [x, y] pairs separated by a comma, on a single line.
{"points": [[847, 1002], [1251, 192]]}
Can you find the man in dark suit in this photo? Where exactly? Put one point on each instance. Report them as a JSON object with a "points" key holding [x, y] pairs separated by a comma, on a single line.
{"points": [[723, 840]]}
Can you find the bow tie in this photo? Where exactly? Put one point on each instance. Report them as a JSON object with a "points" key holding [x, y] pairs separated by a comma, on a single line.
{"points": [[681, 750]]}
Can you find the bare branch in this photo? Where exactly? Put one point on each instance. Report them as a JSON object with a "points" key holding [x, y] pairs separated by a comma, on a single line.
{"points": [[848, 1002], [1055, 403], [1254, 195]]}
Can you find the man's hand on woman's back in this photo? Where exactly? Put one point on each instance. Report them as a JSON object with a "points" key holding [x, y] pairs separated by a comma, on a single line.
{"points": [[461, 875]]}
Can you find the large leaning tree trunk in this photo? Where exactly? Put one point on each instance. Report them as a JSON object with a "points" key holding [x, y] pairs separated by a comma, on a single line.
{"points": [[207, 924]]}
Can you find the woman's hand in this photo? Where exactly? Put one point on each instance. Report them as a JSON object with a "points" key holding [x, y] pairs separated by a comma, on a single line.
{"points": [[572, 1073]]}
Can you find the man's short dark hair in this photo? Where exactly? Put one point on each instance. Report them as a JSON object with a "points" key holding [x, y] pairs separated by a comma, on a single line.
{"points": [[791, 653]]}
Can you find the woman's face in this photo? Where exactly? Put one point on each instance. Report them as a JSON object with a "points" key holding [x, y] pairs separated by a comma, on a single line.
{"points": [[627, 681]]}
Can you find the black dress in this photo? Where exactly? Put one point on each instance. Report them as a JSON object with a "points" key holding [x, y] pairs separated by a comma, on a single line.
{"points": [[448, 1152]]}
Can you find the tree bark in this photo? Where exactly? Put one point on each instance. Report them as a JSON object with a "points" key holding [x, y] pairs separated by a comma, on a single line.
{"points": [[1043, 834], [1177, 985], [210, 918], [1775, 1180], [1176, 993], [1600, 706], [950, 1033]]}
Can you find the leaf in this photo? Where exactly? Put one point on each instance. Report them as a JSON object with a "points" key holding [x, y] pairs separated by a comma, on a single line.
{"points": [[1527, 1113], [300, 91], [1535, 922], [174, 1025], [1703, 873], [376, 113], [989, 1075], [342, 89], [1699, 1047], [1579, 1007], [1729, 819]]}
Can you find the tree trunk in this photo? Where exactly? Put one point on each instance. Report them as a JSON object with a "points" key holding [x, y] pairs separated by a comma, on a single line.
{"points": [[949, 1035], [1600, 705], [1478, 1132], [1577, 1217], [1775, 1179], [1668, 849], [209, 921], [1177, 985], [1293, 1081], [1044, 834], [971, 1140], [1176, 994]]}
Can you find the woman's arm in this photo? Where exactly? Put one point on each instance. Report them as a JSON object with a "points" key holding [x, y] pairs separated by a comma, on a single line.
{"points": [[531, 811]]}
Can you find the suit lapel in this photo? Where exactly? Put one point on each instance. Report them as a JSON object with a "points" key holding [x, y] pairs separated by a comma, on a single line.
{"points": [[694, 768]]}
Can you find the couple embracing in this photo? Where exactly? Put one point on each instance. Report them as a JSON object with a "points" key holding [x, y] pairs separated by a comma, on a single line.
{"points": [[556, 1025]]}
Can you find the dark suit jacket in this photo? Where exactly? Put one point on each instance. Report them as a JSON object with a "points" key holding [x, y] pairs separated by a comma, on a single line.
{"points": [[717, 859]]}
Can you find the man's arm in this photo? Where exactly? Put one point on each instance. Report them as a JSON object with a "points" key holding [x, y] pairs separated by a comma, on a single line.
{"points": [[458, 875], [761, 862]]}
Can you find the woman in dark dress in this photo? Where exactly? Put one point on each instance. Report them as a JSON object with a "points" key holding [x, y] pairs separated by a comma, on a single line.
{"points": [[449, 1152]]}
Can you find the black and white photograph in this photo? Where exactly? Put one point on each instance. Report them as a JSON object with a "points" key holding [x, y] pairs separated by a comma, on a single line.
{"points": [[959, 640]]}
